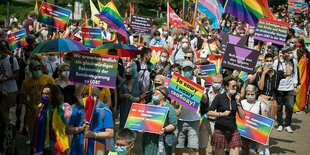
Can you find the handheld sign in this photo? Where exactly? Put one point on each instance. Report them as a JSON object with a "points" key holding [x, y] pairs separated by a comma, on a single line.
{"points": [[240, 58], [255, 127], [208, 69], [307, 43], [233, 39], [149, 118], [185, 91], [271, 31], [141, 24], [54, 15], [96, 69], [91, 37], [17, 39]]}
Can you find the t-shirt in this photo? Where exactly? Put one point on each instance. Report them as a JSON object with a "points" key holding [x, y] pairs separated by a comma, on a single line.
{"points": [[255, 108], [103, 94], [221, 103], [32, 87], [101, 120], [27, 23], [6, 71]]}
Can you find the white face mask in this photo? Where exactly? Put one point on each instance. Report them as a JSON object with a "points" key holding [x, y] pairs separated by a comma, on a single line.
{"points": [[65, 74], [233, 92], [185, 46], [251, 31], [163, 59]]}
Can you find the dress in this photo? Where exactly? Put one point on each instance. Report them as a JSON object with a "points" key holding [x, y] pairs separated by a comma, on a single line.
{"points": [[150, 140], [125, 103]]}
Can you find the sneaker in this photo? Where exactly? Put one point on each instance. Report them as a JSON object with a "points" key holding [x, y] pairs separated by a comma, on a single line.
{"points": [[28, 142], [267, 152], [280, 128], [300, 112], [288, 129]]}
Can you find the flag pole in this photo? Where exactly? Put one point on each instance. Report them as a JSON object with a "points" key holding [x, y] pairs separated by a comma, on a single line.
{"points": [[168, 14], [195, 12]]}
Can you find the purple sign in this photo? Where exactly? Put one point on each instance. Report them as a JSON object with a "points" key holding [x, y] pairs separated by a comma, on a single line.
{"points": [[141, 24], [229, 38], [96, 69], [240, 58]]}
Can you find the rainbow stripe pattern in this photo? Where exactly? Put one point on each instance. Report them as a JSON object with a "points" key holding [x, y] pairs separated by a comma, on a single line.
{"points": [[208, 69], [243, 76], [185, 91], [36, 7], [17, 39], [54, 15], [149, 118], [91, 37], [248, 11], [255, 127], [213, 9], [111, 16]]}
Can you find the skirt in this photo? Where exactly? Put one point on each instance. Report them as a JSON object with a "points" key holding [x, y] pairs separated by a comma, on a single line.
{"points": [[226, 140]]}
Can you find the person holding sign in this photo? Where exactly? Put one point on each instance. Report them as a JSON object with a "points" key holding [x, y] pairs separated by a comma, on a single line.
{"points": [[154, 144], [252, 105], [224, 107]]}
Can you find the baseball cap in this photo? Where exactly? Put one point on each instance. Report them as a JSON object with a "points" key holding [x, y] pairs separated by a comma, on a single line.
{"points": [[187, 63], [34, 63]]}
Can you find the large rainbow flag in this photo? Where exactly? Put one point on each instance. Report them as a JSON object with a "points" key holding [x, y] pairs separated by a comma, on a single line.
{"points": [[111, 16], [248, 11], [213, 9]]}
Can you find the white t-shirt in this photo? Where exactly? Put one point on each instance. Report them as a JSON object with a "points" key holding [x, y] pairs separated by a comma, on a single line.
{"points": [[187, 114], [6, 71], [253, 107]]}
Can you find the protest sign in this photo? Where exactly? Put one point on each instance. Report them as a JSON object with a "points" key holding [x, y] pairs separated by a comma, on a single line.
{"points": [[91, 37], [208, 80], [17, 39], [240, 58], [156, 51], [208, 69], [149, 118], [307, 43], [185, 91], [96, 69], [233, 39], [54, 15], [141, 24], [255, 127], [271, 31]]}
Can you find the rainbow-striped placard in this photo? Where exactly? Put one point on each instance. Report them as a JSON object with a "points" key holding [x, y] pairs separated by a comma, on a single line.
{"points": [[255, 127], [149, 118], [54, 15], [208, 69], [185, 91], [92, 37], [17, 39]]}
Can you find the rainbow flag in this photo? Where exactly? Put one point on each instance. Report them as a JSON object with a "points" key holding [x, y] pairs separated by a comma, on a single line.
{"points": [[36, 7], [111, 16], [301, 98], [176, 21], [101, 6], [94, 11], [248, 11], [213, 9]]}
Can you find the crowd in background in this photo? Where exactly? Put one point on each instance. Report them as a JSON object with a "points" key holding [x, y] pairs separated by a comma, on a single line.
{"points": [[54, 107]]}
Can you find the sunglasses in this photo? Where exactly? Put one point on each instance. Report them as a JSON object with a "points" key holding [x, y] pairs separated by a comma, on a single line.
{"points": [[185, 57]]}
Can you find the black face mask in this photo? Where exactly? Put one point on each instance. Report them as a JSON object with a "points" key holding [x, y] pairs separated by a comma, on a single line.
{"points": [[157, 84], [128, 77]]}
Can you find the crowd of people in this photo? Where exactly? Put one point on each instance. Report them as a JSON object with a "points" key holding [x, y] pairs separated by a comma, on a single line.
{"points": [[55, 120]]}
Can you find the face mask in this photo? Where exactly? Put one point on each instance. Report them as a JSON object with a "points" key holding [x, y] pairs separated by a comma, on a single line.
{"points": [[185, 46], [250, 98], [267, 64], [216, 86], [94, 98], [242, 35], [155, 99], [100, 25], [65, 74], [292, 45], [228, 25], [251, 31], [121, 150], [291, 56], [44, 99], [209, 38], [233, 92], [72, 27], [157, 38], [157, 84], [163, 59], [165, 33], [258, 64], [187, 73], [128, 77], [37, 74], [51, 58]]}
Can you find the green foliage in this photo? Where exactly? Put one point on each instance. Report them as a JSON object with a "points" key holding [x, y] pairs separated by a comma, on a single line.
{"points": [[160, 21], [20, 10]]}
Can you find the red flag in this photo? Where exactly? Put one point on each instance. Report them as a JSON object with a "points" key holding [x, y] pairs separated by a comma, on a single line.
{"points": [[85, 25], [177, 21], [90, 107], [131, 8]]}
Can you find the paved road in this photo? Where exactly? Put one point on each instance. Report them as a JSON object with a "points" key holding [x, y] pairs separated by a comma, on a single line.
{"points": [[296, 143]]}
